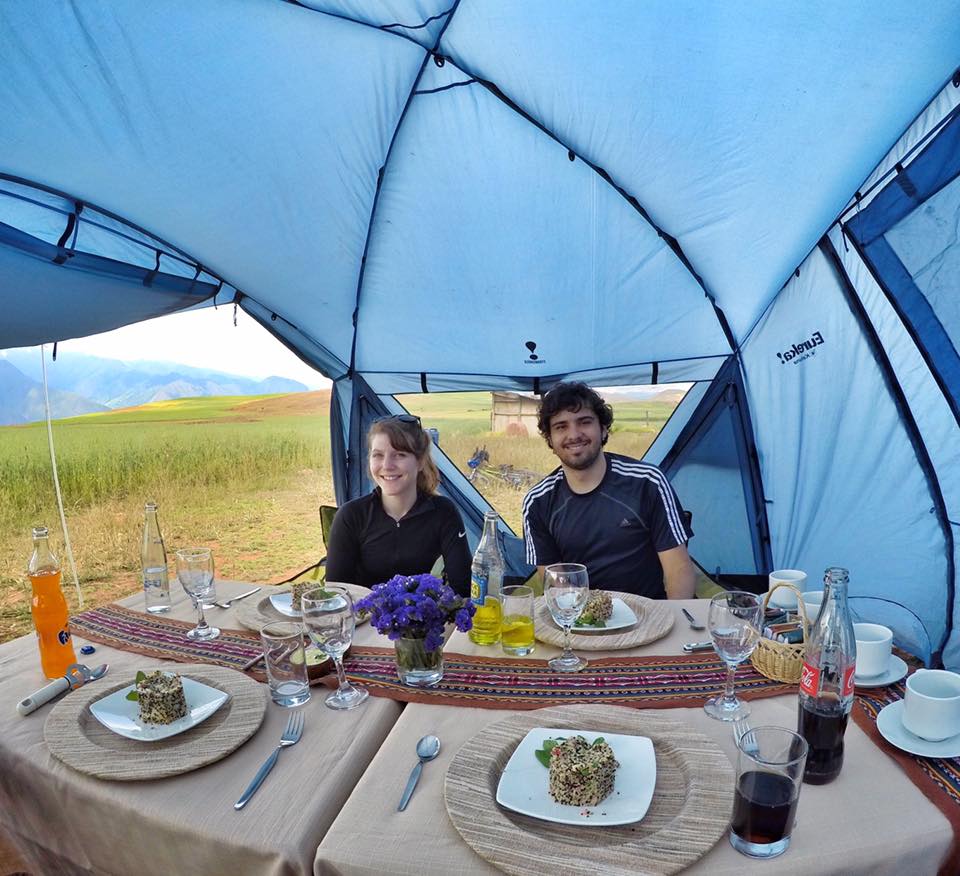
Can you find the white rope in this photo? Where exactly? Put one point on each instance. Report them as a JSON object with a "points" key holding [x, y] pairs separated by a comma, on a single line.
{"points": [[56, 481]]}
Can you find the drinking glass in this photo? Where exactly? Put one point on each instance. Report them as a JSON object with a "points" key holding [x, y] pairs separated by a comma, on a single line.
{"points": [[566, 587], [286, 663], [195, 573], [329, 620], [516, 625], [770, 762], [734, 622]]}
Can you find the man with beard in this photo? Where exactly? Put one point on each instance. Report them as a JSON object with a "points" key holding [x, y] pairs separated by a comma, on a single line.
{"points": [[618, 516]]}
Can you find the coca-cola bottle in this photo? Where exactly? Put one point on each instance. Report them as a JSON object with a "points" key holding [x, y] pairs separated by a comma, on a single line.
{"points": [[826, 681]]}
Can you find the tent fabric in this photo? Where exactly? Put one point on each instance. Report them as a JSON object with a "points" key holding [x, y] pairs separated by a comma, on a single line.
{"points": [[446, 195]]}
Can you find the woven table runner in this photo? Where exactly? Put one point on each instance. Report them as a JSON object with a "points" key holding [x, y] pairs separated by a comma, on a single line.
{"points": [[938, 778], [166, 638], [498, 683], [481, 682]]}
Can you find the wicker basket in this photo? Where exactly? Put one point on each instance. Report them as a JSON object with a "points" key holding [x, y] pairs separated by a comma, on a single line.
{"points": [[778, 660]]}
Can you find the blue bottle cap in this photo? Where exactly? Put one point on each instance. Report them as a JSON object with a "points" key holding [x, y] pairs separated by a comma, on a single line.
{"points": [[87, 649]]}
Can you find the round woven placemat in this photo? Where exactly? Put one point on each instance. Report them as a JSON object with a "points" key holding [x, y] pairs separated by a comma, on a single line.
{"points": [[78, 739], [253, 613], [654, 620], [690, 810]]}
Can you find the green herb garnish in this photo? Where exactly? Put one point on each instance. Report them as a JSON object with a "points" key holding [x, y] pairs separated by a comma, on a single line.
{"points": [[543, 754], [588, 620], [133, 695]]}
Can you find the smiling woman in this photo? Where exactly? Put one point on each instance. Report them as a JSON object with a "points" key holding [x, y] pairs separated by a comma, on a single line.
{"points": [[402, 527]]}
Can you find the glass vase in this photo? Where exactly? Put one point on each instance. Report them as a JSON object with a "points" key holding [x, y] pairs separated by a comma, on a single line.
{"points": [[416, 666]]}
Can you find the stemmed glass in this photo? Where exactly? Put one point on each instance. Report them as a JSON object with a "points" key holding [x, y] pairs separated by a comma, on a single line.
{"points": [[329, 620], [566, 587], [195, 573], [734, 623]]}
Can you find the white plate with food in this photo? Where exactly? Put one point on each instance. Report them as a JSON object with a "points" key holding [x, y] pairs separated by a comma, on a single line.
{"points": [[582, 774], [283, 602], [621, 617], [122, 715]]}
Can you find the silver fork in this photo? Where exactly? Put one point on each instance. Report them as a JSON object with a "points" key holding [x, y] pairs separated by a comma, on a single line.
{"points": [[227, 602], [291, 736], [741, 727]]}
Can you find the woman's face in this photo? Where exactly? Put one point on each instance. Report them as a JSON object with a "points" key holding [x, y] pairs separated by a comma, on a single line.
{"points": [[394, 471]]}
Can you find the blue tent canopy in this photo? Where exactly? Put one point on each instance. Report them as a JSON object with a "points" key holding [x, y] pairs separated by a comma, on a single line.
{"points": [[438, 195]]}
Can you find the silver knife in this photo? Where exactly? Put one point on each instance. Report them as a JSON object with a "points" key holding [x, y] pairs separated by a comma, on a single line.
{"points": [[698, 646], [77, 675]]}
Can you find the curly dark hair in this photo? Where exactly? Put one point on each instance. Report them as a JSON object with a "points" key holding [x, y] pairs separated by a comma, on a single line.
{"points": [[572, 396]]}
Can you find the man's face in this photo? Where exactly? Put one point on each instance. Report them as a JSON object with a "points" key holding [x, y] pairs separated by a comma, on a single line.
{"points": [[576, 437]]}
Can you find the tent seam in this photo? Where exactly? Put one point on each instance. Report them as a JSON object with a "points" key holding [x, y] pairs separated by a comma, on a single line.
{"points": [[428, 53], [378, 27], [671, 242], [907, 420]]}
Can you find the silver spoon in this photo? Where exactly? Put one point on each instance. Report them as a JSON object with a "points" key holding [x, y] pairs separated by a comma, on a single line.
{"points": [[427, 749], [693, 624]]}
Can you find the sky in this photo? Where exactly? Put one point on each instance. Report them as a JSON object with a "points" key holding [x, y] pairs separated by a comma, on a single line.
{"points": [[207, 338], [204, 338]]}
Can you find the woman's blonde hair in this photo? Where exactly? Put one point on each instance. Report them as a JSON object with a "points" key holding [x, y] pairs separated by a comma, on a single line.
{"points": [[410, 438]]}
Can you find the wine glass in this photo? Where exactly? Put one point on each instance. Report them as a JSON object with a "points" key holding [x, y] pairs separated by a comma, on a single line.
{"points": [[734, 623], [329, 620], [195, 573], [566, 587]]}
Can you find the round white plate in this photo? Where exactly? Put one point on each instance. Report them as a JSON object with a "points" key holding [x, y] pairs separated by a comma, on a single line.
{"points": [[890, 725], [122, 716], [622, 617], [896, 669], [524, 784]]}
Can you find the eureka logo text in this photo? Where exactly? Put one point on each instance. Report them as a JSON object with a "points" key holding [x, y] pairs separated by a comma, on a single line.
{"points": [[801, 351]]}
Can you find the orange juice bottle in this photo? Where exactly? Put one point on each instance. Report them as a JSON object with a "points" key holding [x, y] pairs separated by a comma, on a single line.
{"points": [[49, 608]]}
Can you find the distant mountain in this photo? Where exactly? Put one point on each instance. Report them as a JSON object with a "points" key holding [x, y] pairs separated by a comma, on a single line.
{"points": [[672, 393], [21, 399], [126, 384]]}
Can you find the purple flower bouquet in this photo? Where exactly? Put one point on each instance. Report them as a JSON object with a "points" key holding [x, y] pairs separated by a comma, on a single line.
{"points": [[413, 611]]}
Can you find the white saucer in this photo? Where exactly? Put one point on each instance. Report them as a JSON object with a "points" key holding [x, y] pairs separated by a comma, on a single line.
{"points": [[896, 669], [890, 725]]}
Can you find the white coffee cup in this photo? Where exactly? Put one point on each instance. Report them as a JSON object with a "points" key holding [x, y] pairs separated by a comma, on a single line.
{"points": [[785, 598], [874, 642], [812, 600], [931, 707]]}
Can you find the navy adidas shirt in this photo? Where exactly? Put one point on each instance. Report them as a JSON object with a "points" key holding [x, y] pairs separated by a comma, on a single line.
{"points": [[615, 530], [367, 546]]}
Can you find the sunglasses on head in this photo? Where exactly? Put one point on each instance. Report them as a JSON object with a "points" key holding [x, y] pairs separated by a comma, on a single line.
{"points": [[409, 419]]}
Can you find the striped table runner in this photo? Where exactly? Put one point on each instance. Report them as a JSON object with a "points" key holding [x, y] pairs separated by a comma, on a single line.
{"points": [[938, 778], [483, 682]]}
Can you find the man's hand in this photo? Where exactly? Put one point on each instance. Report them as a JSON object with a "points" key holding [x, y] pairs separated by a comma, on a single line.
{"points": [[679, 576]]}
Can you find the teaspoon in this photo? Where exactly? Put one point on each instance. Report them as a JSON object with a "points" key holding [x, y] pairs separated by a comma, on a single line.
{"points": [[427, 749]]}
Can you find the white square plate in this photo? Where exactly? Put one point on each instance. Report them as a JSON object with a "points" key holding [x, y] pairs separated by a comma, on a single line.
{"points": [[524, 785], [122, 716], [622, 616]]}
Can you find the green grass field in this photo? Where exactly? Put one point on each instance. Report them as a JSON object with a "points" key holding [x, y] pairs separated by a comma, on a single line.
{"points": [[242, 475]]}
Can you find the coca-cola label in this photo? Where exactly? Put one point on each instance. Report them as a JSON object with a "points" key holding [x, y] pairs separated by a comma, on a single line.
{"points": [[810, 679], [848, 680]]}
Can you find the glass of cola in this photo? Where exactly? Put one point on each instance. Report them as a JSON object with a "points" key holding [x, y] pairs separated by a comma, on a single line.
{"points": [[770, 763]]}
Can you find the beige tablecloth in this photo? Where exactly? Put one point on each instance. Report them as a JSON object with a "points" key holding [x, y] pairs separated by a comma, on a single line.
{"points": [[871, 820], [64, 822]]}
